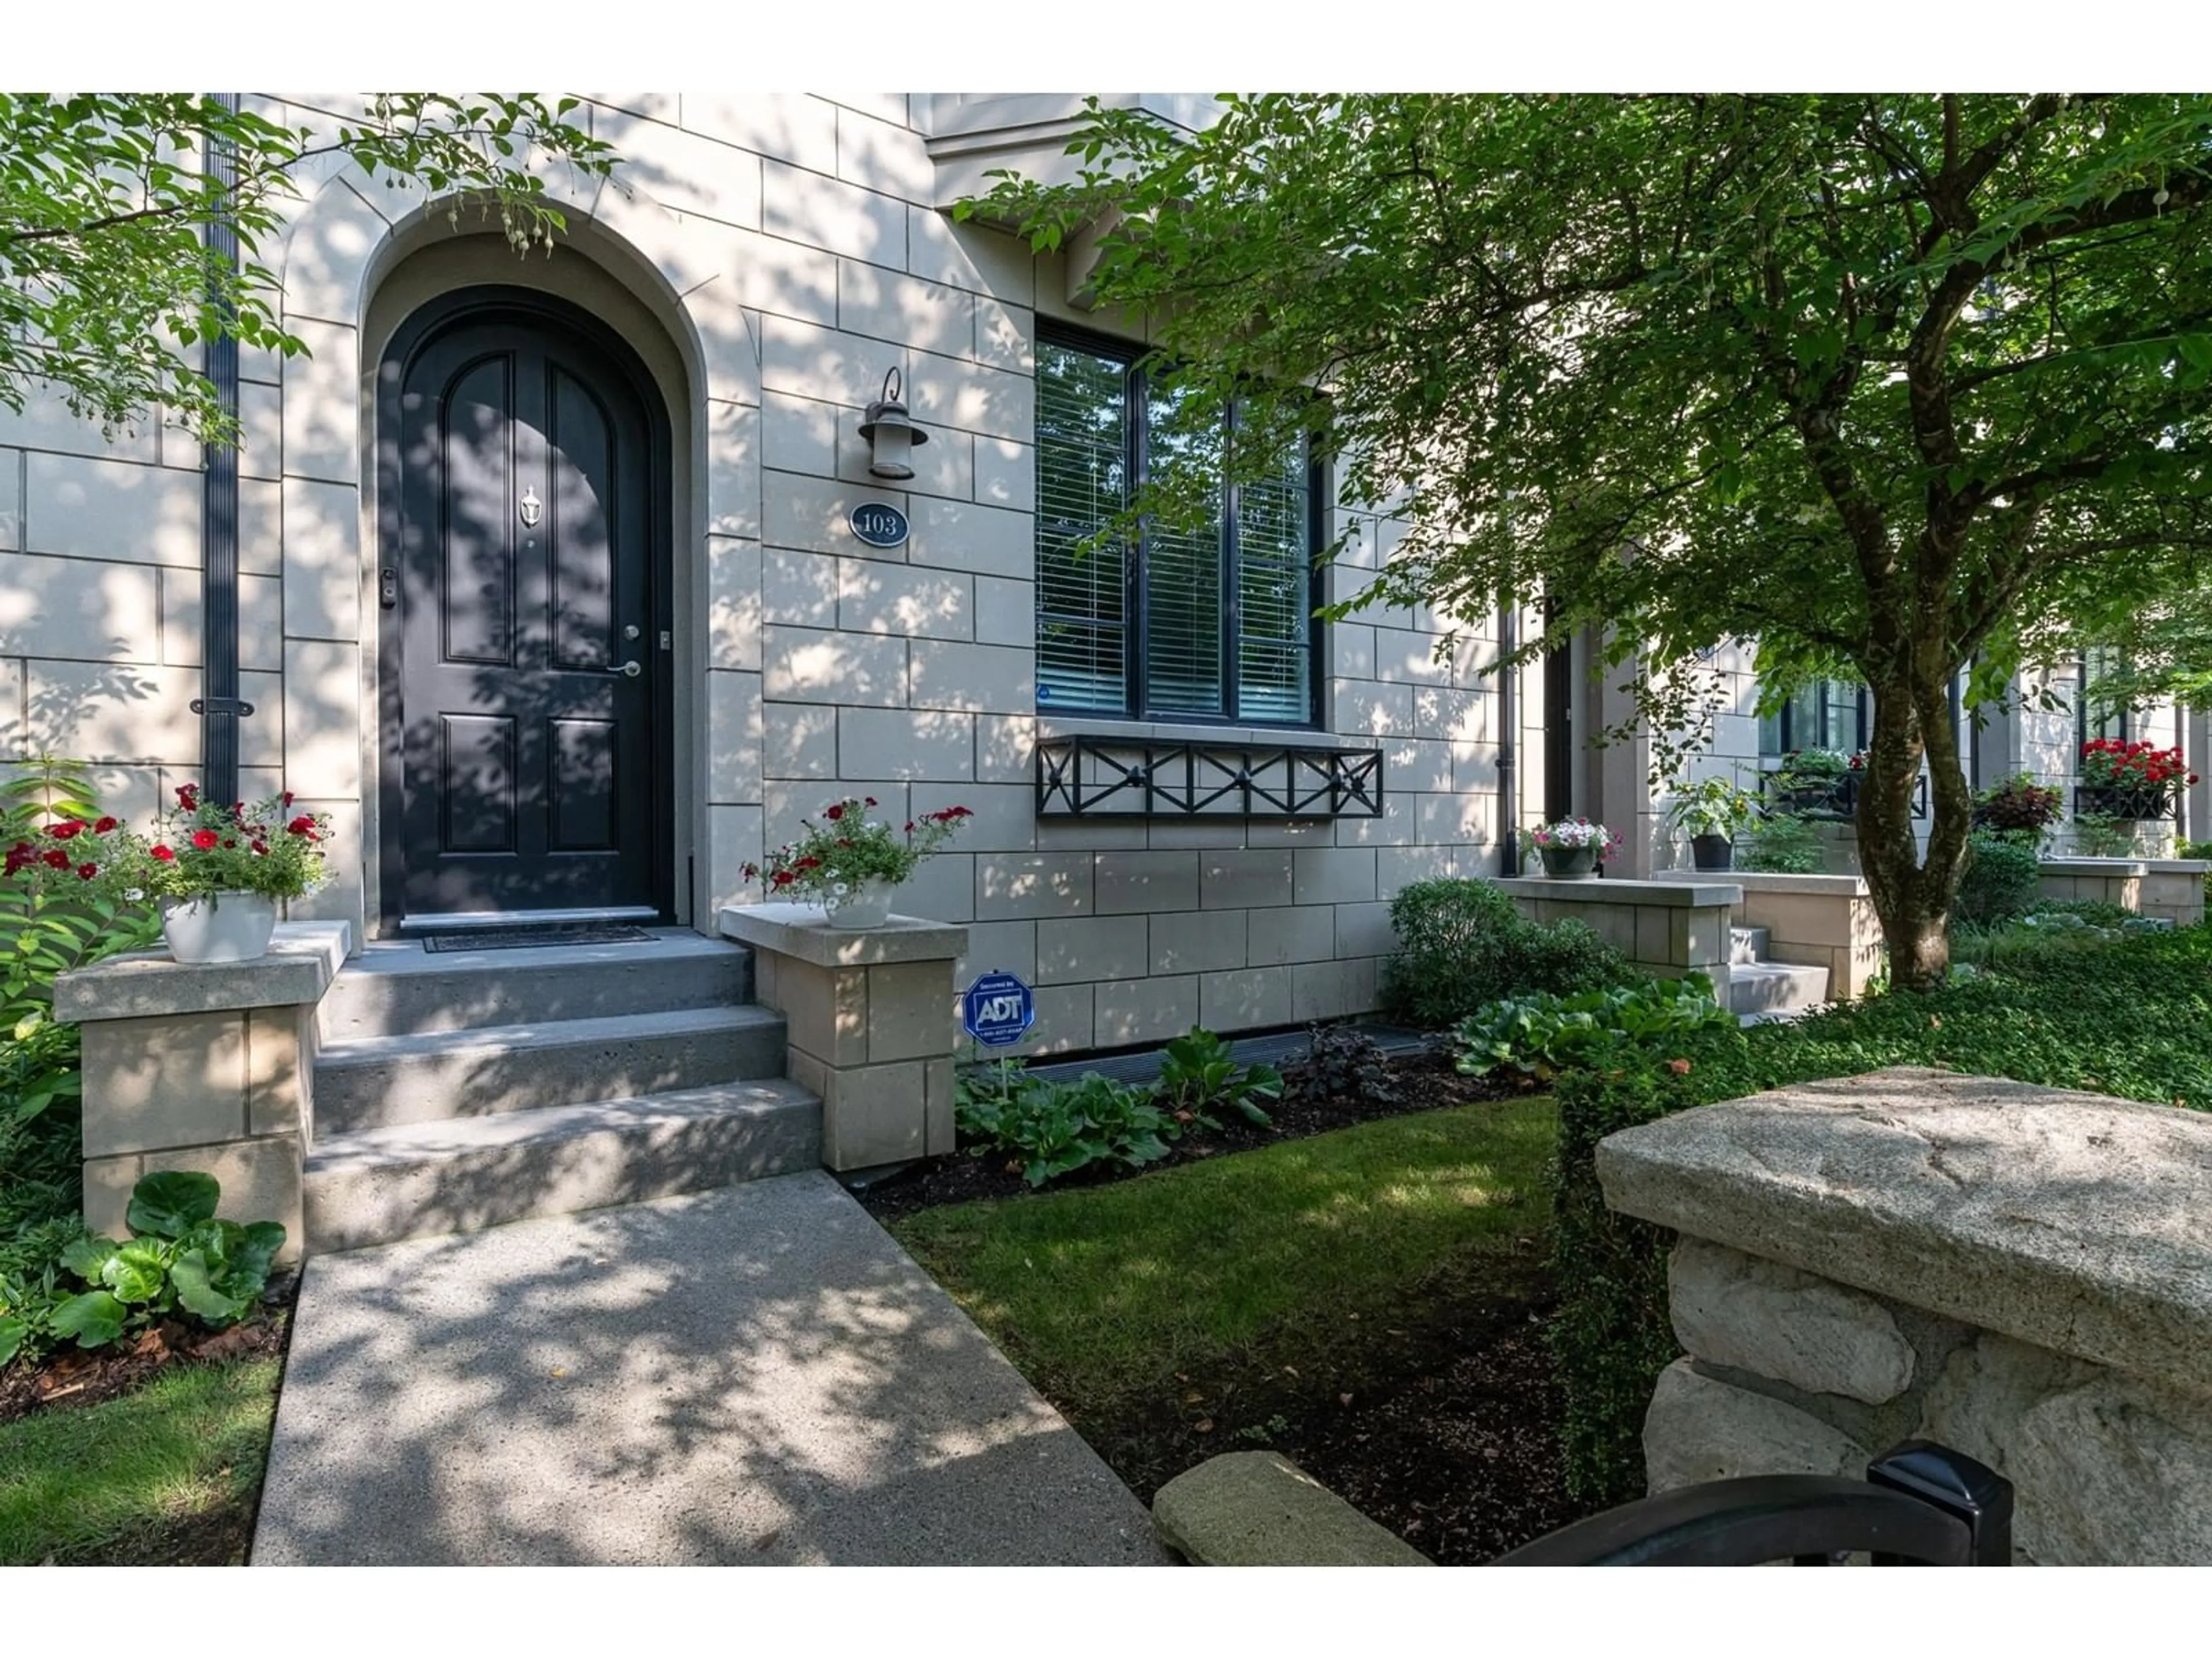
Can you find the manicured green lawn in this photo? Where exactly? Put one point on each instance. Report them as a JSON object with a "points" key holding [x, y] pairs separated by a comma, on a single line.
{"points": [[164, 1473], [1100, 1292]]}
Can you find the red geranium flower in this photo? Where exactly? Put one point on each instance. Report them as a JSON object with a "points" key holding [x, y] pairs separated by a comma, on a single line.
{"points": [[833, 813], [165, 854], [21, 853], [103, 826], [204, 839], [301, 825], [87, 871], [57, 859], [65, 829], [783, 878]]}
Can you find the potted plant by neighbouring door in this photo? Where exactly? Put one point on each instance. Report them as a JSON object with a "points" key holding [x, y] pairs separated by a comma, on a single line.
{"points": [[851, 864], [217, 872], [1572, 848], [1712, 810]]}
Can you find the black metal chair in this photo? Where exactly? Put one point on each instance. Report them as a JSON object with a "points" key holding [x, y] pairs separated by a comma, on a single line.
{"points": [[1921, 1505]]}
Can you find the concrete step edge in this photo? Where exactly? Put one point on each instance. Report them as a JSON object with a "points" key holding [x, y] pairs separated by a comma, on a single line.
{"points": [[347, 1054]]}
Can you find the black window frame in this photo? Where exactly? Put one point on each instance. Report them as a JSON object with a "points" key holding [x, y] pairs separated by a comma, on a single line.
{"points": [[1136, 599], [1791, 740], [2123, 716]]}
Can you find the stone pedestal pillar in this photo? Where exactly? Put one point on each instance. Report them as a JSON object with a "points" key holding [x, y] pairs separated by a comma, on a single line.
{"points": [[2015, 1272], [1813, 921], [1668, 927], [206, 1067], [871, 1024]]}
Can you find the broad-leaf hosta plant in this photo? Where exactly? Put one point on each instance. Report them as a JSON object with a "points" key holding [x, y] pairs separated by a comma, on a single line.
{"points": [[180, 1260], [1200, 1079], [1541, 1034]]}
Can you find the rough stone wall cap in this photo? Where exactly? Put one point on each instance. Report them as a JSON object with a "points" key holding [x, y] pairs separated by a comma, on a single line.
{"points": [[303, 958], [801, 931], [2074, 1221]]}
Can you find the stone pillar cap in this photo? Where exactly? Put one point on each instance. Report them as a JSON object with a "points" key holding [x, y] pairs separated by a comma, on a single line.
{"points": [[802, 931], [2072, 1221], [303, 958], [1682, 893]]}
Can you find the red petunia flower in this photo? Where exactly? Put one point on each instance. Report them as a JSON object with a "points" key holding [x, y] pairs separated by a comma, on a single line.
{"points": [[57, 859], [834, 813], [301, 825], [66, 829], [103, 826], [204, 839], [87, 871], [783, 878], [167, 855]]}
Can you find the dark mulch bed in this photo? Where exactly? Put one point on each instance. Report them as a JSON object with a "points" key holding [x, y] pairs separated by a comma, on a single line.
{"points": [[1424, 1082], [1442, 1424], [70, 1377]]}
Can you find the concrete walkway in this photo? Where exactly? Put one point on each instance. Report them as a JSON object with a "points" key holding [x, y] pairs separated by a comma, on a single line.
{"points": [[757, 1375]]}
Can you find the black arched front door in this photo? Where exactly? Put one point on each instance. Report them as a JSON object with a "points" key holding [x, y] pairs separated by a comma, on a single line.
{"points": [[523, 579]]}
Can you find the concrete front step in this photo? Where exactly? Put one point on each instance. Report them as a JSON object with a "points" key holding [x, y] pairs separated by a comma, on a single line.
{"points": [[376, 1083], [1766, 987], [421, 1179], [1747, 944], [398, 988]]}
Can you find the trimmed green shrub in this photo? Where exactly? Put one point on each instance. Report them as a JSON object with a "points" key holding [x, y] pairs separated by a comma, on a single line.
{"points": [[1462, 945], [1999, 880], [2124, 1019]]}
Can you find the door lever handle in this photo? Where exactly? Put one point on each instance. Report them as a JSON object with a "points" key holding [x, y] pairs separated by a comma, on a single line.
{"points": [[631, 670]]}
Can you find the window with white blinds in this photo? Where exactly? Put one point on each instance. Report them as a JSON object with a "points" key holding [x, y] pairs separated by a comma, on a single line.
{"points": [[1206, 622]]}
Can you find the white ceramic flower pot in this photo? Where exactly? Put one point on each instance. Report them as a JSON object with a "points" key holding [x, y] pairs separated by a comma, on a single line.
{"points": [[219, 926], [865, 904]]}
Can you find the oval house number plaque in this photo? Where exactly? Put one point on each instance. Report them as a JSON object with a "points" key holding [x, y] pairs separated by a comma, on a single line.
{"points": [[877, 523]]}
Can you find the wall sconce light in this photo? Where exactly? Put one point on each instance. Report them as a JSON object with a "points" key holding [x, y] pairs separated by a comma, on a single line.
{"points": [[890, 434]]}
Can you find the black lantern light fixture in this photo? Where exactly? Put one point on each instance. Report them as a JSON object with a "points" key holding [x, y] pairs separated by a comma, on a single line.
{"points": [[891, 434]]}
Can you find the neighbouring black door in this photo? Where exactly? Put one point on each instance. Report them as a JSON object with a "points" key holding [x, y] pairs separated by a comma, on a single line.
{"points": [[523, 581]]}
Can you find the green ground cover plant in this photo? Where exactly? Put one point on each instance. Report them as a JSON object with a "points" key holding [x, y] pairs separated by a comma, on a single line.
{"points": [[2126, 1019], [1540, 1036]]}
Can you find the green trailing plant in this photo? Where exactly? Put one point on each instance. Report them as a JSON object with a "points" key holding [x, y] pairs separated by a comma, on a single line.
{"points": [[1541, 1035], [180, 1260], [1712, 806], [1462, 944], [1341, 1062], [1200, 1079], [1783, 843], [1057, 1128], [1998, 881]]}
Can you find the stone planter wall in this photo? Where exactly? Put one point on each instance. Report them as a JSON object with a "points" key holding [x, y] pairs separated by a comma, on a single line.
{"points": [[203, 1066], [1671, 927], [2169, 887], [2020, 1273], [871, 1024], [1813, 922]]}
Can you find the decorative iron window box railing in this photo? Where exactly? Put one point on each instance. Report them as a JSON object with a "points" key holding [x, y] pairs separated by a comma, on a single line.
{"points": [[1832, 799], [2128, 800], [1104, 776]]}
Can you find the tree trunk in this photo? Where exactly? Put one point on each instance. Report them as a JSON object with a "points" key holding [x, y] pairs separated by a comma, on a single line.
{"points": [[1912, 897]]}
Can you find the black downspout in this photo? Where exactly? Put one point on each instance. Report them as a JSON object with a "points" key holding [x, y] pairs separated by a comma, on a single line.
{"points": [[1508, 793], [219, 707]]}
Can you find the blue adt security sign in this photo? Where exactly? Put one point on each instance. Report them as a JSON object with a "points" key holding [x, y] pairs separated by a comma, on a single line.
{"points": [[997, 1010]]}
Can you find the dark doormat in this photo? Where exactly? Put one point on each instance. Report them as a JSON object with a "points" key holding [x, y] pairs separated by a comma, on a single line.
{"points": [[549, 933]]}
